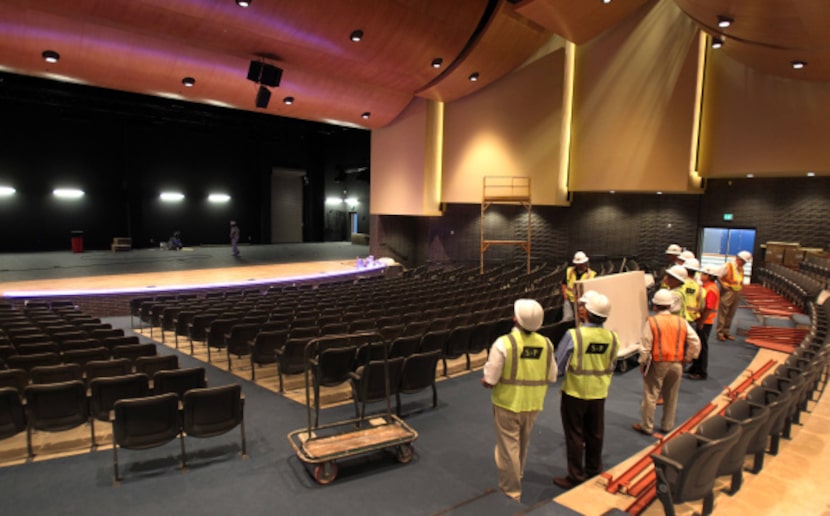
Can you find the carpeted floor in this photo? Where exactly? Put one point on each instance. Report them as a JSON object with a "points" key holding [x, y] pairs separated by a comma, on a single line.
{"points": [[452, 471]]}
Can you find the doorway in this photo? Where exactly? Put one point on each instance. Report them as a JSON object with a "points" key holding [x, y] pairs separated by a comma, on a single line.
{"points": [[719, 245]]}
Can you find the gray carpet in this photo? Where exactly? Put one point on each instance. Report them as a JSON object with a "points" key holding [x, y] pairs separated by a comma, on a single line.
{"points": [[452, 471]]}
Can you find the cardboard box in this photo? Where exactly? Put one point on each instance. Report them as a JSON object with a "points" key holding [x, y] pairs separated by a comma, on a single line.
{"points": [[776, 251]]}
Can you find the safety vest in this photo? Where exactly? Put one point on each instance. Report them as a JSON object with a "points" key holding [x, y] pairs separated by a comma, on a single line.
{"points": [[592, 363], [524, 378], [570, 280], [733, 278], [669, 331], [691, 295], [712, 288], [680, 293]]}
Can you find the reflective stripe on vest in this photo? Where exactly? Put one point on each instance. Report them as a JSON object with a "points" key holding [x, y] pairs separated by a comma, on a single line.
{"points": [[591, 365], [691, 293], [734, 277], [570, 279], [512, 375], [524, 377], [669, 342]]}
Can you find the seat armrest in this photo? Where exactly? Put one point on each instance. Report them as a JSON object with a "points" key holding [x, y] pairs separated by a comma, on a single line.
{"points": [[354, 376], [666, 461]]}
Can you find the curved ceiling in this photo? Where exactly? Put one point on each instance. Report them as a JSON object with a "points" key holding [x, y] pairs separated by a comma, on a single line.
{"points": [[150, 46]]}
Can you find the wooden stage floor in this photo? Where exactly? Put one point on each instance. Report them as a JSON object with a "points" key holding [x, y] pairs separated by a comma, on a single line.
{"points": [[149, 270]]}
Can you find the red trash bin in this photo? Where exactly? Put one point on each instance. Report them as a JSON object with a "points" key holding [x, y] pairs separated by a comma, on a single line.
{"points": [[77, 241]]}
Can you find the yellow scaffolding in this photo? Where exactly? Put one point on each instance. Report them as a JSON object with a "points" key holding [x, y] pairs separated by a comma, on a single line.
{"points": [[506, 190]]}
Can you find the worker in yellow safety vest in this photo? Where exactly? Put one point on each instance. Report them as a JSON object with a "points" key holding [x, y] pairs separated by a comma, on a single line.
{"points": [[692, 291], [579, 270], [519, 369], [732, 281], [587, 356], [674, 281]]}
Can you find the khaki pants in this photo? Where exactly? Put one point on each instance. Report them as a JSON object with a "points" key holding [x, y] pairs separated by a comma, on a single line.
{"points": [[662, 378], [726, 310], [513, 431]]}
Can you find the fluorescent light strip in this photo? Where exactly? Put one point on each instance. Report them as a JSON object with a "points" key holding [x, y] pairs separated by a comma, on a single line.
{"points": [[171, 196], [272, 281], [68, 193], [333, 200], [219, 197], [7, 191]]}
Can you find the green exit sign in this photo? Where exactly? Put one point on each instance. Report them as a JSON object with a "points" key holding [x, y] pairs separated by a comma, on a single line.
{"points": [[727, 216]]}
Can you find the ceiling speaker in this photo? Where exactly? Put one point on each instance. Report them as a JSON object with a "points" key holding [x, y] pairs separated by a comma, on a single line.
{"points": [[264, 73], [263, 95]]}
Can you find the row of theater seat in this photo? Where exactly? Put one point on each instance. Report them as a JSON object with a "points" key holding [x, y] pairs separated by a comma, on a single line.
{"points": [[688, 464]]}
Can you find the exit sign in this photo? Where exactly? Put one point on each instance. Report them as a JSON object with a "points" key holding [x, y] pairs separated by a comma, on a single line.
{"points": [[727, 216]]}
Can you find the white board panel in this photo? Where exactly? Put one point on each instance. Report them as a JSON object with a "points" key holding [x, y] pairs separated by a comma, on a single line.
{"points": [[629, 307]]}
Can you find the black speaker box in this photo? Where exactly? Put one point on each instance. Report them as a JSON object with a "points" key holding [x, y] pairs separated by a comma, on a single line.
{"points": [[264, 73], [263, 95]]}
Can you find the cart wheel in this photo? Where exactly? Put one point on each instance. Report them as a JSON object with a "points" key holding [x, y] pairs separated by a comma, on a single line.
{"points": [[404, 453], [325, 473]]}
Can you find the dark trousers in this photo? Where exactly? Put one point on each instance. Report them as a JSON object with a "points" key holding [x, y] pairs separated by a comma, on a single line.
{"points": [[583, 422], [700, 365]]}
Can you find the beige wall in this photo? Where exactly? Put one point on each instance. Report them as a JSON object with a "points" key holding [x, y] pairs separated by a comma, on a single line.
{"points": [[768, 126], [634, 105], [398, 159], [510, 128]]}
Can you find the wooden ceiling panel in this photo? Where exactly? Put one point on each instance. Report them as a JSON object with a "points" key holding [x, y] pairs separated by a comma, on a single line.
{"points": [[578, 22], [507, 42], [148, 46]]}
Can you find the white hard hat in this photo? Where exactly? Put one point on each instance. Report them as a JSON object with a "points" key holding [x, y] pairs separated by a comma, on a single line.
{"points": [[713, 271], [529, 314], [678, 272], [746, 256], [599, 305], [663, 297], [674, 249], [692, 263], [580, 257], [587, 295], [687, 255]]}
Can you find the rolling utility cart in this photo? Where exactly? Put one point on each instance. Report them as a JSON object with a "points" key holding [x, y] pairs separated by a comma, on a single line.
{"points": [[322, 445]]}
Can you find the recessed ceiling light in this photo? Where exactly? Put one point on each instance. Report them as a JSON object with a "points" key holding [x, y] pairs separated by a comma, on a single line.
{"points": [[50, 56], [68, 193], [606, 1], [356, 35], [659, 193], [244, 3], [171, 196], [189, 81], [724, 22], [366, 115], [611, 191], [798, 65], [474, 76], [811, 174], [288, 100], [717, 43], [219, 198], [436, 63], [750, 175]]}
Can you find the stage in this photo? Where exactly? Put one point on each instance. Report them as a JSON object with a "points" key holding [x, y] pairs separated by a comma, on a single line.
{"points": [[103, 281]]}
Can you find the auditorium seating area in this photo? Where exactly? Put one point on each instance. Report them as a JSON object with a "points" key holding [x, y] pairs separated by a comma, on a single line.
{"points": [[270, 334], [63, 370]]}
